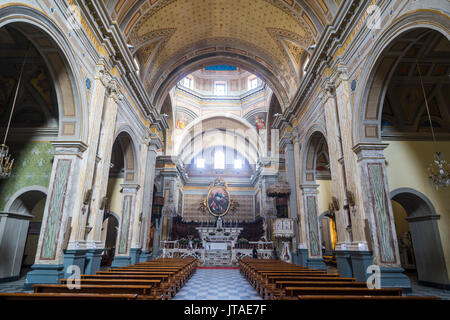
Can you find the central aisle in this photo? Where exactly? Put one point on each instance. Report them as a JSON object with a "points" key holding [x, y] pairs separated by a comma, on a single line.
{"points": [[217, 284]]}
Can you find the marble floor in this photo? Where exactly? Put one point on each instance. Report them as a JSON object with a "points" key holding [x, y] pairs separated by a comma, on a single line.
{"points": [[217, 284]]}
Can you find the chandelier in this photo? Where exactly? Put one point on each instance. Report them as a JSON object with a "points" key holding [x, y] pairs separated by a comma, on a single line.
{"points": [[6, 162], [438, 171]]}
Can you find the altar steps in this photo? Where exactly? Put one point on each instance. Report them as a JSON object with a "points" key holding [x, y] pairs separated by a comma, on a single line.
{"points": [[218, 258]]}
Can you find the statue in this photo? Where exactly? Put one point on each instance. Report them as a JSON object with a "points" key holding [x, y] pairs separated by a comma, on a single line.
{"points": [[219, 223]]}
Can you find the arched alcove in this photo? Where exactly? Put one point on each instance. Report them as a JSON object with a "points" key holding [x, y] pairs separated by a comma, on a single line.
{"points": [[425, 236]]}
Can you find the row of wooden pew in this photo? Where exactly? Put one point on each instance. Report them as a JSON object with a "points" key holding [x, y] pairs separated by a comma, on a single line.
{"points": [[158, 279], [275, 279]]}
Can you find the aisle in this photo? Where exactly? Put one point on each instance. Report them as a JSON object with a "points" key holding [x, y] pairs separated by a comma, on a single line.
{"points": [[217, 284]]}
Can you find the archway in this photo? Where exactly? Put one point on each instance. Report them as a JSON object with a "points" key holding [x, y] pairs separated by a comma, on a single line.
{"points": [[421, 220], [404, 105], [109, 237], [29, 201], [317, 193]]}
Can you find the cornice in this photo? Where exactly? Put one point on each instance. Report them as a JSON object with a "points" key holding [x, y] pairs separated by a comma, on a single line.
{"points": [[120, 55]]}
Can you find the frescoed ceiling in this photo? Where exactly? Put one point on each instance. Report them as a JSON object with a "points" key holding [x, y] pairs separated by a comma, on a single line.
{"points": [[270, 35]]}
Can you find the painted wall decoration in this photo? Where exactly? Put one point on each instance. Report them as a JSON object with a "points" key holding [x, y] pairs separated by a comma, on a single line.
{"points": [[313, 226], [380, 211], [55, 209], [41, 84], [258, 120], [33, 167], [182, 120], [6, 86]]}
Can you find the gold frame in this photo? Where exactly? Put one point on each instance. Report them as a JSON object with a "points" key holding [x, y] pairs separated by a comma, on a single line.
{"points": [[229, 200]]}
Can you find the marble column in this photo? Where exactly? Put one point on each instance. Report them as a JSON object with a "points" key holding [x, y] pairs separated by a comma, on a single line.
{"points": [[302, 243], [312, 227], [123, 248], [62, 201], [102, 78], [94, 219], [152, 146], [338, 182], [293, 211], [380, 218], [345, 117]]}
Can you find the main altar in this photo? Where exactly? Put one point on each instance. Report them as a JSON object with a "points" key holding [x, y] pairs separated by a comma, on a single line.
{"points": [[219, 242]]}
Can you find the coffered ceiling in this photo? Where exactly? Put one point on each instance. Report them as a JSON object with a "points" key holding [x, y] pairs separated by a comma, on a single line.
{"points": [[268, 36]]}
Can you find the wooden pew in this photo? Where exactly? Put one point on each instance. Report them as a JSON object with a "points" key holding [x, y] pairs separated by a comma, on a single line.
{"points": [[333, 291], [358, 297], [157, 279], [66, 296], [270, 288], [142, 290], [280, 280]]}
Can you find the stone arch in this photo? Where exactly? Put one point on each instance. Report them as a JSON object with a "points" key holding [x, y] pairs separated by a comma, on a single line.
{"points": [[202, 124], [124, 138], [55, 48], [315, 136], [19, 201], [260, 69], [425, 236], [374, 79], [27, 203]]}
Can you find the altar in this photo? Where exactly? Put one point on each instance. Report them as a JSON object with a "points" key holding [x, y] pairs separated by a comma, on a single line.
{"points": [[218, 246]]}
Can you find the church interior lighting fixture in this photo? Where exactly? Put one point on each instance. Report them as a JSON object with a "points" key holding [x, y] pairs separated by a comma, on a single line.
{"points": [[439, 169], [6, 163]]}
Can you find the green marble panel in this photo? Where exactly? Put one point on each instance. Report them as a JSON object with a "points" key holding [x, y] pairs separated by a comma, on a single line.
{"points": [[55, 209], [123, 244], [313, 225], [380, 209]]}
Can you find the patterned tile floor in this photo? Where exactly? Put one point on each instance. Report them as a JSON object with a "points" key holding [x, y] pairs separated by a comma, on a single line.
{"points": [[217, 284], [229, 284]]}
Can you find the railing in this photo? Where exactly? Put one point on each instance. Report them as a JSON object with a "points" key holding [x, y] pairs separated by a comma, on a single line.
{"points": [[174, 249]]}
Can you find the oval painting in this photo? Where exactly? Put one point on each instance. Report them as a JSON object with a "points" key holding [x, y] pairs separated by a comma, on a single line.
{"points": [[218, 201]]}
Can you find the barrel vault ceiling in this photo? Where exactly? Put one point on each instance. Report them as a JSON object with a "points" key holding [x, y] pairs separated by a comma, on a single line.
{"points": [[271, 36]]}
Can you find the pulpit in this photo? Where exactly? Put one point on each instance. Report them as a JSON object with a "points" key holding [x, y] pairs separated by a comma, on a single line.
{"points": [[283, 229]]}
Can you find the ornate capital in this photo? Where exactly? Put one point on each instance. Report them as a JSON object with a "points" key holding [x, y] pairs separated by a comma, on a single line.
{"points": [[340, 74], [114, 91], [328, 91], [103, 75]]}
